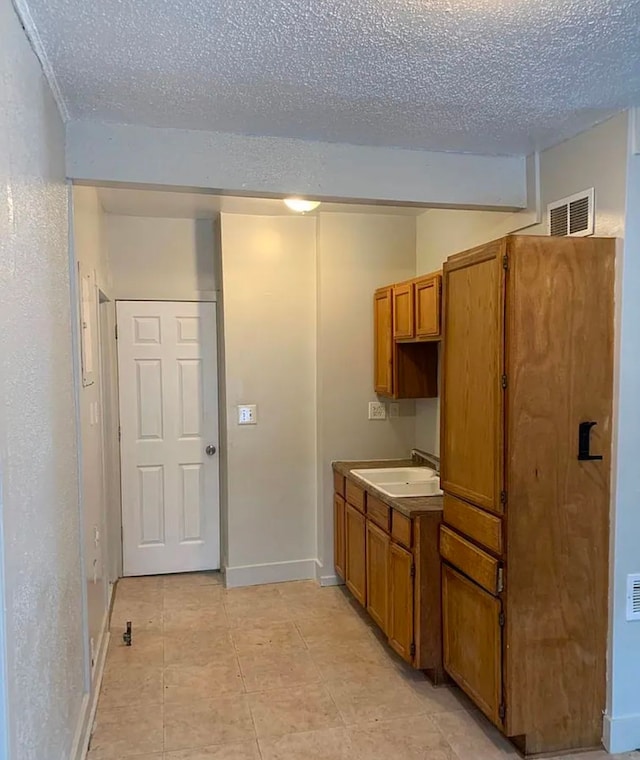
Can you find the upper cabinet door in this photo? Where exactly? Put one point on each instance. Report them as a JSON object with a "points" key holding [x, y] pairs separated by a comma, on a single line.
{"points": [[403, 320], [383, 341], [472, 432], [427, 301]]}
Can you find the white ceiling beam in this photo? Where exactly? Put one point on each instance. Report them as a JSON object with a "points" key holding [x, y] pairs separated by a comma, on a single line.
{"points": [[238, 164]]}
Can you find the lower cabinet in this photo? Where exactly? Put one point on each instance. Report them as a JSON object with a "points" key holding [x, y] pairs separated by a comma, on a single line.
{"points": [[355, 562], [338, 535], [378, 574], [401, 596], [472, 640]]}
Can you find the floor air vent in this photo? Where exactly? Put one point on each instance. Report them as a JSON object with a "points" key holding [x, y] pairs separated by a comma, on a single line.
{"points": [[572, 216], [633, 596]]}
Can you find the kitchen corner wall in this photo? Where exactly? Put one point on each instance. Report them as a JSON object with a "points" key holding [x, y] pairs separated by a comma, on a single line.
{"points": [[299, 343], [357, 253]]}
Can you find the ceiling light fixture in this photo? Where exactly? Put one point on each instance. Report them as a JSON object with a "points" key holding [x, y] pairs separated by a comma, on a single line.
{"points": [[300, 205]]}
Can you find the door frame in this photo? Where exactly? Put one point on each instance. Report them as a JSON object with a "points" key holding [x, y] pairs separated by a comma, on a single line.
{"points": [[221, 417], [4, 684]]}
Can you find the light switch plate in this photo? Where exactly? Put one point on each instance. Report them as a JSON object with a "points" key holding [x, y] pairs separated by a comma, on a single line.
{"points": [[247, 414], [377, 410], [394, 409]]}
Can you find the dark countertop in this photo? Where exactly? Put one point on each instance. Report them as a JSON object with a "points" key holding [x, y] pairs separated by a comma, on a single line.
{"points": [[409, 506]]}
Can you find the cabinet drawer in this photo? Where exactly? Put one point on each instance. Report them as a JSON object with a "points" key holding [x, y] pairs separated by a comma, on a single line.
{"points": [[338, 483], [378, 512], [355, 495], [467, 557], [401, 529], [475, 523]]}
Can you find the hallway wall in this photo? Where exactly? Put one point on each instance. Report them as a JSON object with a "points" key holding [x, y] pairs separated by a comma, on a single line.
{"points": [[38, 461]]}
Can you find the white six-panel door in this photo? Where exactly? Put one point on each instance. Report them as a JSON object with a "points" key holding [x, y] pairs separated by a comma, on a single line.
{"points": [[167, 378]]}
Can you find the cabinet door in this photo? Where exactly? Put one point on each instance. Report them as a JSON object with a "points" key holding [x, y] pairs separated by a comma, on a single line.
{"points": [[472, 641], [383, 342], [355, 567], [377, 574], [400, 625], [428, 307], [473, 359], [338, 534], [403, 326]]}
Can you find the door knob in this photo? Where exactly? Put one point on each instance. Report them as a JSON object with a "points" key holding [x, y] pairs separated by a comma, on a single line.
{"points": [[211, 450]]}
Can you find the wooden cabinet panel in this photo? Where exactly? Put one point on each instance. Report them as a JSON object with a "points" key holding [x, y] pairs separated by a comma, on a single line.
{"points": [[338, 483], [560, 369], [427, 307], [475, 523], [401, 529], [403, 319], [473, 363], [383, 341], [377, 574], [400, 621], [470, 559], [472, 641], [378, 512], [355, 564], [355, 495], [339, 546]]}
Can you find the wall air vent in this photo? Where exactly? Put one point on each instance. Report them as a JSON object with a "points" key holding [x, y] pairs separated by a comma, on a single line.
{"points": [[633, 596], [572, 216]]}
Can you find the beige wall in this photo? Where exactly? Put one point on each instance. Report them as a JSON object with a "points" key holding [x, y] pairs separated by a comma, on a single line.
{"points": [[161, 259], [357, 253], [90, 253], [269, 271], [596, 158]]}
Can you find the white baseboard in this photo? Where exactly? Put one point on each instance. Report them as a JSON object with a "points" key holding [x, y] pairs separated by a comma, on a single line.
{"points": [[273, 572], [90, 700], [325, 578], [621, 734]]}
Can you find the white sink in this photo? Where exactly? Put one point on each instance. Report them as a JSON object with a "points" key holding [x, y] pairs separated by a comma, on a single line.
{"points": [[402, 481]]}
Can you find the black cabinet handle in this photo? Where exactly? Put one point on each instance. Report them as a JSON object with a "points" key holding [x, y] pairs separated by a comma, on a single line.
{"points": [[584, 442]]}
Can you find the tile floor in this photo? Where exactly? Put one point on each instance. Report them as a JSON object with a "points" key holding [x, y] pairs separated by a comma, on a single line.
{"points": [[280, 672]]}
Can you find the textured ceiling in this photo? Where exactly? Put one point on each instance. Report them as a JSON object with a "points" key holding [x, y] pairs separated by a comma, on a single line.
{"points": [[495, 76], [177, 205]]}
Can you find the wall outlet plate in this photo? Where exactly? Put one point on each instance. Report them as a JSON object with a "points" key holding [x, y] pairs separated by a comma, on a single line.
{"points": [[377, 410], [394, 409], [247, 414]]}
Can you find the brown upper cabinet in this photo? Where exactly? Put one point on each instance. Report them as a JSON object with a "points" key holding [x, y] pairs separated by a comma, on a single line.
{"points": [[406, 335]]}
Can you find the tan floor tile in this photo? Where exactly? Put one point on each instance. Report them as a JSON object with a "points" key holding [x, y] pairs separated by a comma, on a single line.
{"points": [[127, 731], [472, 736], [177, 619], [242, 751], [224, 720], [189, 580], [187, 683], [253, 593], [350, 661], [335, 628], [248, 614], [198, 647], [147, 649], [414, 738], [275, 637], [275, 670], [193, 598], [144, 616], [326, 744], [292, 710], [437, 699], [378, 697], [123, 685]]}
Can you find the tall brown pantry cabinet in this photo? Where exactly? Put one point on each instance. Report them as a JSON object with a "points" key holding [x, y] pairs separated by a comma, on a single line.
{"points": [[527, 368]]}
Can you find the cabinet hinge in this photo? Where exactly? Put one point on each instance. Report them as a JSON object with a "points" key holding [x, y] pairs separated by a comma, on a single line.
{"points": [[500, 580], [413, 570], [503, 381], [501, 619], [412, 650], [503, 497], [502, 711], [505, 262]]}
